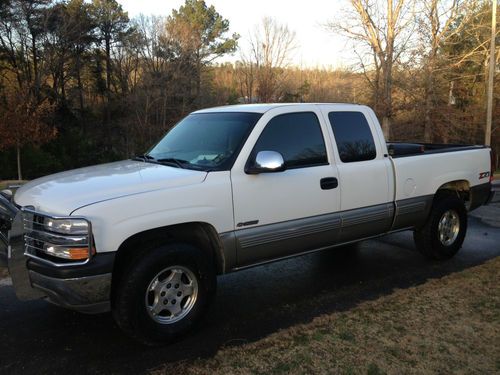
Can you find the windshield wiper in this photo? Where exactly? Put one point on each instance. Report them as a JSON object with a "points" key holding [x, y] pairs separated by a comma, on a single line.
{"points": [[173, 162], [143, 157]]}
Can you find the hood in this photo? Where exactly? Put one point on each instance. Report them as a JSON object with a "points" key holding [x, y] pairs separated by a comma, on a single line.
{"points": [[63, 193]]}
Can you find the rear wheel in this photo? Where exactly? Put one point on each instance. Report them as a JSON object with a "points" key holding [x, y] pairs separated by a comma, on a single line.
{"points": [[444, 232], [164, 293]]}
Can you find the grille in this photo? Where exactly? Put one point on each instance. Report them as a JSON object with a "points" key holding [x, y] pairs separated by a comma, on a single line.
{"points": [[38, 241]]}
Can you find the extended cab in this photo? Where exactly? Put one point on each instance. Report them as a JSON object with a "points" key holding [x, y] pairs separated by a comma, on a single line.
{"points": [[229, 188]]}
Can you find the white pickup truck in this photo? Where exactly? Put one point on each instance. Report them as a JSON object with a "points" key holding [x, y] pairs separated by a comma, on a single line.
{"points": [[229, 188]]}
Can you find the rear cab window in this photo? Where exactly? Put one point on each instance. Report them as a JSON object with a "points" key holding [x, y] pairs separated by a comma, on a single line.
{"points": [[353, 136], [297, 137]]}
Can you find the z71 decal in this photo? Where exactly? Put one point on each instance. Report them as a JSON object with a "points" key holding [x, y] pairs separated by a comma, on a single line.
{"points": [[484, 175]]}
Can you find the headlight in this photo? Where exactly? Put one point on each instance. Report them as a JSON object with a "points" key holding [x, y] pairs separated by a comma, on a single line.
{"points": [[66, 226], [65, 238]]}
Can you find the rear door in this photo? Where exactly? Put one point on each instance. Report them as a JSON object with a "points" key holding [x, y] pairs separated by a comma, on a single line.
{"points": [[365, 172], [282, 213]]}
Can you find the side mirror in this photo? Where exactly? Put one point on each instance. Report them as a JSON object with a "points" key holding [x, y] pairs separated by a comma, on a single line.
{"points": [[7, 193], [266, 162]]}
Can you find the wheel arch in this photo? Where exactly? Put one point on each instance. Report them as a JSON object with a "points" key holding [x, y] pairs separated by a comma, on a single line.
{"points": [[199, 234], [461, 188]]}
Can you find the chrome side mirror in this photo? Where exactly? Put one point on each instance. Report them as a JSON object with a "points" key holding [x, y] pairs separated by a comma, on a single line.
{"points": [[266, 162]]}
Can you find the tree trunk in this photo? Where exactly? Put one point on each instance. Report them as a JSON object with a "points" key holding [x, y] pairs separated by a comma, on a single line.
{"points": [[430, 68], [387, 99], [108, 64], [386, 64], [79, 81], [198, 81], [429, 88], [376, 88], [63, 84], [35, 68], [18, 156], [386, 127]]}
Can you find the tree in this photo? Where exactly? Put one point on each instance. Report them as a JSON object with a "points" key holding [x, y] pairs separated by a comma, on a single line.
{"points": [[198, 35], [80, 28], [112, 22], [32, 13], [467, 54], [23, 122], [437, 25], [69, 36], [21, 27], [386, 29], [270, 51], [246, 72]]}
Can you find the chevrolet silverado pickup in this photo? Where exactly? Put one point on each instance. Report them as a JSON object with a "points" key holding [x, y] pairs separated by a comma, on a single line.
{"points": [[225, 189]]}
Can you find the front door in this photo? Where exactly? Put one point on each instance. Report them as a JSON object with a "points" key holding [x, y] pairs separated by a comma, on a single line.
{"points": [[281, 213]]}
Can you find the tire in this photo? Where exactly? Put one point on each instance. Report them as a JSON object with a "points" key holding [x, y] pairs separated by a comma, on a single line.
{"points": [[444, 232], [164, 293]]}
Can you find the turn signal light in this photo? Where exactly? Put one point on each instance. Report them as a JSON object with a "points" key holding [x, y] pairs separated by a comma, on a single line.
{"points": [[78, 253], [71, 253]]}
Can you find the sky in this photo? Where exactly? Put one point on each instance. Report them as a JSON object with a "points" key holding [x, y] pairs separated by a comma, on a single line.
{"points": [[317, 47]]}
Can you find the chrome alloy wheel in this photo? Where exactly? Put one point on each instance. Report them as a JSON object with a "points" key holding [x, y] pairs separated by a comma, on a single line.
{"points": [[448, 227], [171, 294]]}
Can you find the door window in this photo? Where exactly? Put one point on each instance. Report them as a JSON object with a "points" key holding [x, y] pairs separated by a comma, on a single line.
{"points": [[297, 136], [353, 136]]}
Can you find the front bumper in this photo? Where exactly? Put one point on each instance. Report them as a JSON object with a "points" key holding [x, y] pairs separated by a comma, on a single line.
{"points": [[84, 288], [88, 294]]}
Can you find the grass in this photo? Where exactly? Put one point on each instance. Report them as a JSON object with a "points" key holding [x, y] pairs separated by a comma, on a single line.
{"points": [[448, 325]]}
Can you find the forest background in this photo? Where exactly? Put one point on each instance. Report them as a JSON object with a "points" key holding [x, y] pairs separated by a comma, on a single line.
{"points": [[82, 83]]}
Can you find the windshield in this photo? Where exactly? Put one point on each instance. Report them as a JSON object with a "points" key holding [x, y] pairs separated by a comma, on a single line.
{"points": [[205, 140]]}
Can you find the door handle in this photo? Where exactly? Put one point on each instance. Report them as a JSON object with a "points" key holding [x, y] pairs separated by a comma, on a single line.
{"points": [[328, 183]]}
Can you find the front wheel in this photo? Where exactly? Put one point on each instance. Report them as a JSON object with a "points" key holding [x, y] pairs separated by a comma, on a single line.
{"points": [[444, 232], [164, 294]]}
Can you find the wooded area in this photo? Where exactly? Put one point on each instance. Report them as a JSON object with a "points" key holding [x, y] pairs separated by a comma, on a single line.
{"points": [[81, 83]]}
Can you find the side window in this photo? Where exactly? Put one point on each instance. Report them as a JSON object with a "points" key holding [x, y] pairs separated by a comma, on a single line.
{"points": [[353, 136], [297, 136]]}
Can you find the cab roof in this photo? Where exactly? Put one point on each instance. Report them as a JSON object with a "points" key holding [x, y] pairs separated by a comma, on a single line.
{"points": [[262, 108]]}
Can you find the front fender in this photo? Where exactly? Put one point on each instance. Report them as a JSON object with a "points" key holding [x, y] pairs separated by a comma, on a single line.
{"points": [[116, 220]]}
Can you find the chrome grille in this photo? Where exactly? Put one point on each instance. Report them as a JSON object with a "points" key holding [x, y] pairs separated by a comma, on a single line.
{"points": [[38, 240]]}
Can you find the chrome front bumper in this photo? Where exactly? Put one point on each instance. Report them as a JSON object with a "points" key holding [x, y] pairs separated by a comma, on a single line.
{"points": [[89, 294]]}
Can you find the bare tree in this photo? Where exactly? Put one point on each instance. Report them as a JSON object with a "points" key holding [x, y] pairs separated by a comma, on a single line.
{"points": [[437, 25], [270, 51], [385, 28], [467, 55], [246, 77]]}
